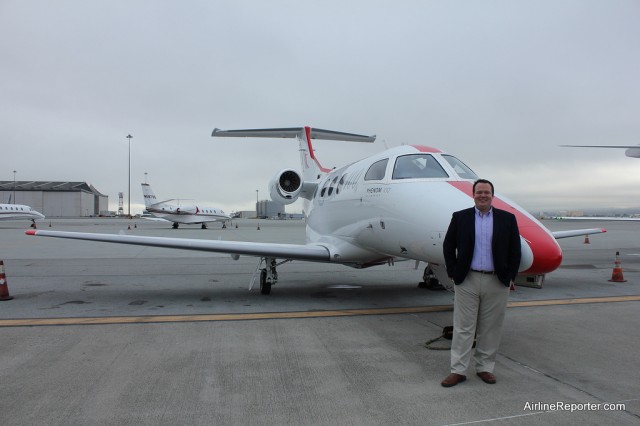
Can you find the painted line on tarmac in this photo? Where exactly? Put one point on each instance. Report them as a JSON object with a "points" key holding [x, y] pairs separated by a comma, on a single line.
{"points": [[580, 301], [151, 319]]}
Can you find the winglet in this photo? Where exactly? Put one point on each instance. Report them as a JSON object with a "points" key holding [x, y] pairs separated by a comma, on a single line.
{"points": [[31, 232]]}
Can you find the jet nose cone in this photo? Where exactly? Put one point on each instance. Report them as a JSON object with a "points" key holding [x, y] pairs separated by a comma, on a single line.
{"points": [[546, 253]]}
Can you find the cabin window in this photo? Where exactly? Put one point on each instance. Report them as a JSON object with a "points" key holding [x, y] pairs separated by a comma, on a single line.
{"points": [[324, 187], [418, 166], [341, 183], [333, 184], [460, 168], [377, 170]]}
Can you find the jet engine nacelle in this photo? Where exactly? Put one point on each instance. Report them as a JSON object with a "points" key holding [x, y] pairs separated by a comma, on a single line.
{"points": [[285, 186], [186, 210], [632, 152]]}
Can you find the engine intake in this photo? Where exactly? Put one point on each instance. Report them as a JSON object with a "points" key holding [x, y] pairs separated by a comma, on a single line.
{"points": [[285, 186]]}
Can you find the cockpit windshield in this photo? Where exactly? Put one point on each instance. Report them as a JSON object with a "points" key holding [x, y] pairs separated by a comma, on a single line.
{"points": [[460, 168], [418, 166]]}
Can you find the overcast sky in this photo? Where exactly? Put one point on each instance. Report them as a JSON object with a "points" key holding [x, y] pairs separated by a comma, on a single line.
{"points": [[499, 84]]}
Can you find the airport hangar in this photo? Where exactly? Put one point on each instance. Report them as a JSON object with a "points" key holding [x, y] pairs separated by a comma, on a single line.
{"points": [[56, 199]]}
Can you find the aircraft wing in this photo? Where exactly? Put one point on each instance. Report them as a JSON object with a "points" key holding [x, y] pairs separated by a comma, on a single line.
{"points": [[602, 146], [596, 218], [281, 251], [155, 219], [631, 150], [574, 232]]}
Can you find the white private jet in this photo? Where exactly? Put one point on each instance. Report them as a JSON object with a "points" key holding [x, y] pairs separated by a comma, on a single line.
{"points": [[19, 211], [177, 213], [393, 205]]}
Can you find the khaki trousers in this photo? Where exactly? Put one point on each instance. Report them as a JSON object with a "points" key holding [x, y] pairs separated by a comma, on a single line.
{"points": [[479, 308]]}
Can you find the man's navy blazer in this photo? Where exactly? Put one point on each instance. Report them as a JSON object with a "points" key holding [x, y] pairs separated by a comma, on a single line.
{"points": [[460, 239]]}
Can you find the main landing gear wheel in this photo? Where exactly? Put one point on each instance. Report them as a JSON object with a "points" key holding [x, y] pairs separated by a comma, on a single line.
{"points": [[204, 226], [429, 281], [265, 287], [175, 225]]}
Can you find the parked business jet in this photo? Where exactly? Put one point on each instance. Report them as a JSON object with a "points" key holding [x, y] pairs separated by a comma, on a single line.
{"points": [[631, 150], [177, 213], [393, 205], [19, 211]]}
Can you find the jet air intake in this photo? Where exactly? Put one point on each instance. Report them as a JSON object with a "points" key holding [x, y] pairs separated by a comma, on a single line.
{"points": [[285, 186]]}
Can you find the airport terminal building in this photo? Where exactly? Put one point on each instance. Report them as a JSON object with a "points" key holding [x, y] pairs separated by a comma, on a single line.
{"points": [[56, 199]]}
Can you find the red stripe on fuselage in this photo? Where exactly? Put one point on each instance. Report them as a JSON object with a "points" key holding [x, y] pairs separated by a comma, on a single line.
{"points": [[423, 148], [307, 131], [547, 255]]}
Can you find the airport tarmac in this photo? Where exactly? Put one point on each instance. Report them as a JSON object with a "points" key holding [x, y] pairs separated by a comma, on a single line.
{"points": [[112, 334]]}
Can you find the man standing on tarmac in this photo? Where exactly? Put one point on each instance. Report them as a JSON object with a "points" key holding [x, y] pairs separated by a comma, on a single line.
{"points": [[482, 256]]}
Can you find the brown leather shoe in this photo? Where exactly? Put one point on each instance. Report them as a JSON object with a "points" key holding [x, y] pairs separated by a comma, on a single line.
{"points": [[453, 379], [487, 377]]}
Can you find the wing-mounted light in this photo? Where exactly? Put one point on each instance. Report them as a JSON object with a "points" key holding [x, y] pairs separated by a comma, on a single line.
{"points": [[285, 186]]}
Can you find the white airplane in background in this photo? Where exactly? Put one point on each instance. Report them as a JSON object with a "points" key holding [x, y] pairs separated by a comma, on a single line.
{"points": [[631, 150], [395, 205], [177, 213], [19, 211]]}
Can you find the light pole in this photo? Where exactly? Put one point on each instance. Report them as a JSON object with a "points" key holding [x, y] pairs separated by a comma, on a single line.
{"points": [[129, 211], [256, 203], [14, 187]]}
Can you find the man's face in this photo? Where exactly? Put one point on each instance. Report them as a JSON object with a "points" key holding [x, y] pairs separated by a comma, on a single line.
{"points": [[483, 197]]}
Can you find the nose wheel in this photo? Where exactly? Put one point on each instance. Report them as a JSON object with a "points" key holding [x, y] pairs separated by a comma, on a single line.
{"points": [[430, 281]]}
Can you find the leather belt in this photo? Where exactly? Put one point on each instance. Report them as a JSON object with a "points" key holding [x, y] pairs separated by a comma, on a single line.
{"points": [[483, 272]]}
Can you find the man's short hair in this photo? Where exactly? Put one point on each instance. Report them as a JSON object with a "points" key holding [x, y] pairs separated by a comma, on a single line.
{"points": [[482, 181]]}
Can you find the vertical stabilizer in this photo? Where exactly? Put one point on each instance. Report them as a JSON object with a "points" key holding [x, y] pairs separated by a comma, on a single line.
{"points": [[149, 196], [311, 167]]}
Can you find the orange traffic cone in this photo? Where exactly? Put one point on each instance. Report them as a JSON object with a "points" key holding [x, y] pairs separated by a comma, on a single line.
{"points": [[616, 276], [586, 239], [4, 288]]}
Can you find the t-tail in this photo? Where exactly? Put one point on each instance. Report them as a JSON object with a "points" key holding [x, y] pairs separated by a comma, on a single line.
{"points": [[311, 167], [149, 197]]}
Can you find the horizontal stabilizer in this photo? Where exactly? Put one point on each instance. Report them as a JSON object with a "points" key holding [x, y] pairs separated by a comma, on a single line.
{"points": [[293, 132]]}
